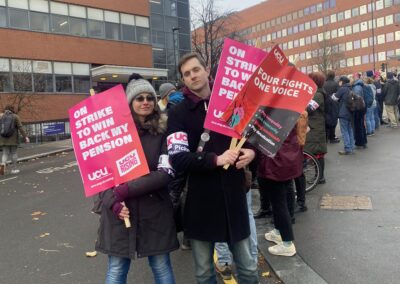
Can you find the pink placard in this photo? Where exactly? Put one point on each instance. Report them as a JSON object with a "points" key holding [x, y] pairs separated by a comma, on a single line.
{"points": [[106, 143], [236, 65]]}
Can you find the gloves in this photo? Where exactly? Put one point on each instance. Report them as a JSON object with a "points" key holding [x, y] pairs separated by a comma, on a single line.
{"points": [[121, 192], [116, 208]]}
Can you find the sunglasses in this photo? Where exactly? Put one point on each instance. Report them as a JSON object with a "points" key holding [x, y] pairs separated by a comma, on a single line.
{"points": [[141, 99]]}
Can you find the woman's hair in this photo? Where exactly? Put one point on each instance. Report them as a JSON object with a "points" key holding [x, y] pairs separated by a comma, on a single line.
{"points": [[330, 75], [318, 78], [369, 80]]}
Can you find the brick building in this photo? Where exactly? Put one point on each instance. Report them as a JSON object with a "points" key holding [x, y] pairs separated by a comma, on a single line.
{"points": [[309, 28], [52, 52]]}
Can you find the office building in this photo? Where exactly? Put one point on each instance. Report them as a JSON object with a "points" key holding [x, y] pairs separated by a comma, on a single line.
{"points": [[348, 36]]}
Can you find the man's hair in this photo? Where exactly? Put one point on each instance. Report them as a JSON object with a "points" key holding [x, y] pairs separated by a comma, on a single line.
{"points": [[10, 108], [187, 57], [330, 75]]}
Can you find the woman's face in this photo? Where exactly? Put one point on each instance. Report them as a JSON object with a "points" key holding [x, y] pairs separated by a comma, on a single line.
{"points": [[143, 104]]}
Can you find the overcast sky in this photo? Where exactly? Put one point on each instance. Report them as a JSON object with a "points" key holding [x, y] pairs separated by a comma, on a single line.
{"points": [[233, 4]]}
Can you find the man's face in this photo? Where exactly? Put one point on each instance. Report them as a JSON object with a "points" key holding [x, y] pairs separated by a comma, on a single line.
{"points": [[194, 75]]}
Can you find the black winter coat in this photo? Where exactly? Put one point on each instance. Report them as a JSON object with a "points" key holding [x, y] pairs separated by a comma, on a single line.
{"points": [[153, 228], [216, 207], [391, 92]]}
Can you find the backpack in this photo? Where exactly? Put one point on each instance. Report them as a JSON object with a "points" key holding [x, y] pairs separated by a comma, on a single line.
{"points": [[354, 102], [7, 124], [331, 111], [368, 96]]}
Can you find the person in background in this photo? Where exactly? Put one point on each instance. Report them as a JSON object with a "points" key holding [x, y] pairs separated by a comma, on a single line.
{"points": [[275, 176], [316, 138], [332, 107], [10, 144], [360, 133], [370, 116], [169, 97], [391, 92], [146, 199]]}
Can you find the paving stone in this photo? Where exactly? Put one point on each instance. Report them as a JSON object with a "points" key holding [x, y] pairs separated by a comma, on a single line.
{"points": [[341, 202]]}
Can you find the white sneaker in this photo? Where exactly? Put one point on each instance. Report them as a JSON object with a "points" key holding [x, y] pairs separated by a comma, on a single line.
{"points": [[15, 171], [273, 237], [282, 250]]}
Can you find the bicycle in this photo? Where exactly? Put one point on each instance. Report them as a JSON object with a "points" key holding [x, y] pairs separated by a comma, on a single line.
{"points": [[311, 170]]}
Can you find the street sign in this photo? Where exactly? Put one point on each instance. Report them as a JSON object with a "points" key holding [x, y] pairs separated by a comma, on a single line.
{"points": [[54, 128]]}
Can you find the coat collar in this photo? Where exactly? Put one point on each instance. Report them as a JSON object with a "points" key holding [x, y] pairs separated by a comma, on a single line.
{"points": [[192, 99]]}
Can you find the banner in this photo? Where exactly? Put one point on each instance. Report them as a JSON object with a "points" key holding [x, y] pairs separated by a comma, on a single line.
{"points": [[106, 144], [268, 106], [237, 62]]}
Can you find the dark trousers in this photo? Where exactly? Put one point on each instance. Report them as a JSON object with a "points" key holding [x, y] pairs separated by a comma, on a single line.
{"points": [[380, 99], [300, 183], [330, 133], [360, 133], [265, 203], [278, 193]]}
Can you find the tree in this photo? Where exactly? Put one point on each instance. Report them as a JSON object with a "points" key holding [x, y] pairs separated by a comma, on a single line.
{"points": [[210, 27], [328, 56]]}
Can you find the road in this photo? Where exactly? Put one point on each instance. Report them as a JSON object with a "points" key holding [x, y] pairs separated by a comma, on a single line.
{"points": [[47, 227]]}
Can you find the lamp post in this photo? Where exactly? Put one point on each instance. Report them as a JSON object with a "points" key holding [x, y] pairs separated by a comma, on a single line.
{"points": [[373, 33], [174, 29]]}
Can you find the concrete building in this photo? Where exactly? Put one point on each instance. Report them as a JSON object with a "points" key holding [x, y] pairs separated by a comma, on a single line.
{"points": [[340, 31], [52, 52]]}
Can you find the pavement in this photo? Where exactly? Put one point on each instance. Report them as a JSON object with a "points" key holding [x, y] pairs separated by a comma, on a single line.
{"points": [[288, 269]]}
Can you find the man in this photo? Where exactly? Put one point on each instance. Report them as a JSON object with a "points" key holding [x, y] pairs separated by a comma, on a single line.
{"points": [[345, 116], [331, 107], [169, 96], [10, 141], [215, 209], [391, 92]]}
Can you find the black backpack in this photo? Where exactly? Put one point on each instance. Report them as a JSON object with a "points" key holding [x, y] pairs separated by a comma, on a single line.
{"points": [[7, 124], [354, 102]]}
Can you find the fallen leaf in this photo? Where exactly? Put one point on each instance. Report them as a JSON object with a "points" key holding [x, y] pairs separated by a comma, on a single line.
{"points": [[35, 219], [65, 274], [36, 213], [44, 235], [265, 274], [91, 253], [49, 250]]}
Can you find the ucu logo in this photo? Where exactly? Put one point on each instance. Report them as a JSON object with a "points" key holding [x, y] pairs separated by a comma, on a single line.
{"points": [[98, 174]]}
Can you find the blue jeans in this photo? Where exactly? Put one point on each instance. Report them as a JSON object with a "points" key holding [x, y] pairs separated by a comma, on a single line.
{"points": [[118, 268], [204, 266], [347, 133], [222, 249], [370, 120]]}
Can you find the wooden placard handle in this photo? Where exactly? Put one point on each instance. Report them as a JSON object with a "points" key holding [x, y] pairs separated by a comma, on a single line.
{"points": [[126, 219], [237, 148]]}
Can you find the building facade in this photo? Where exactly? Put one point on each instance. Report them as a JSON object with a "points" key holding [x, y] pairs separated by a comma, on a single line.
{"points": [[350, 36], [53, 52]]}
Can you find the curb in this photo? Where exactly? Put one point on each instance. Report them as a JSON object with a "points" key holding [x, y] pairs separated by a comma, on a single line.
{"points": [[290, 270], [40, 155]]}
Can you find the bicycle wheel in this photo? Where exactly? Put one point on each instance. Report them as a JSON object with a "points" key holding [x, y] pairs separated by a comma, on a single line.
{"points": [[311, 170]]}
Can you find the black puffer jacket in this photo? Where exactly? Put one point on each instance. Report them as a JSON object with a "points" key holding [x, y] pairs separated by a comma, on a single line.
{"points": [[391, 92], [216, 207], [153, 228]]}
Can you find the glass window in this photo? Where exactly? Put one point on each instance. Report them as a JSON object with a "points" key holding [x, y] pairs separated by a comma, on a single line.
{"points": [[328, 35], [80, 69], [39, 21], [39, 6], [279, 34], [306, 11], [3, 18], [112, 30], [128, 33], [81, 84], [319, 7], [159, 55], [295, 29], [183, 10], [333, 18], [332, 3], [341, 32], [170, 7], [334, 33], [290, 44], [356, 28], [314, 38], [363, 9], [350, 62], [63, 83], [381, 39], [389, 20], [308, 54], [364, 42], [357, 60], [354, 12], [272, 22], [96, 28], [273, 36], [302, 42], [349, 45], [184, 42], [301, 27], [43, 82], [22, 75], [320, 22], [157, 22], [380, 22], [382, 56], [59, 8], [343, 63], [342, 47], [78, 26], [18, 18], [389, 37], [397, 18], [365, 59], [278, 21], [77, 11], [284, 32], [397, 35], [300, 13], [357, 44], [308, 40], [327, 20], [320, 37], [307, 26], [326, 5], [62, 68], [5, 85], [340, 16], [313, 24], [283, 20], [95, 14], [158, 39], [379, 5], [348, 30], [364, 26], [20, 4], [296, 43], [59, 24], [143, 34], [313, 9]]}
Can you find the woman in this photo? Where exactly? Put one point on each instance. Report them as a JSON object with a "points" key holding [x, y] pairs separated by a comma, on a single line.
{"points": [[146, 199], [316, 138]]}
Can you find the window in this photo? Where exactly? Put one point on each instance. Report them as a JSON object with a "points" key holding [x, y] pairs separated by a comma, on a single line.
{"points": [[18, 18], [363, 9], [302, 42], [333, 18], [39, 21], [341, 32], [382, 56], [307, 26], [365, 59], [308, 40], [397, 18], [284, 32], [306, 11], [22, 75], [364, 26], [340, 16], [81, 84], [59, 24], [301, 27], [295, 29], [42, 76], [348, 30], [313, 24], [389, 20], [354, 12], [320, 22], [389, 37], [356, 28], [397, 35], [300, 13], [78, 26], [381, 39], [313, 9], [142, 29], [388, 3], [357, 60], [379, 5], [294, 15], [3, 18], [128, 27], [63, 76], [347, 14], [290, 30], [350, 62], [5, 75], [334, 33], [326, 20], [349, 45], [320, 37], [357, 44]]}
